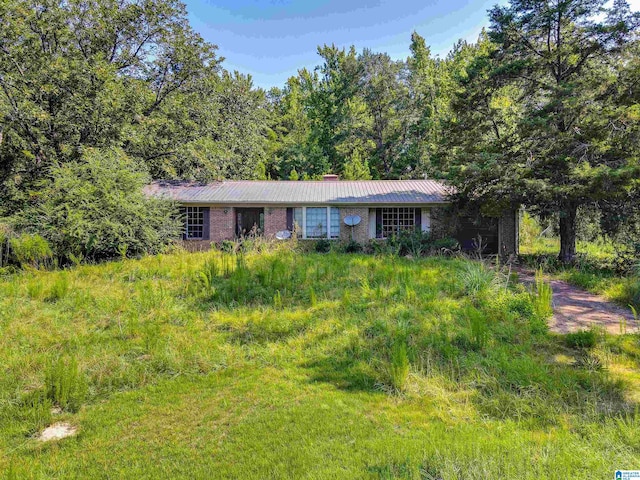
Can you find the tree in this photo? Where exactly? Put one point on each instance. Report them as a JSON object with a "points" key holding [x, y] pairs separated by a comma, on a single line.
{"points": [[356, 168], [216, 130], [383, 94], [429, 86], [77, 73], [547, 87], [94, 207]]}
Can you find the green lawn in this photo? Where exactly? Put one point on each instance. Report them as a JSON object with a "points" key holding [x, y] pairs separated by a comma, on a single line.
{"points": [[288, 365]]}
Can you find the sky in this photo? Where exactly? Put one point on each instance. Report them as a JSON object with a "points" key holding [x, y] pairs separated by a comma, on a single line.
{"points": [[272, 39]]}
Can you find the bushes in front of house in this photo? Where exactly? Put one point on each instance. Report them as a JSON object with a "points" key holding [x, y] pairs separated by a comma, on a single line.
{"points": [[412, 243], [94, 208]]}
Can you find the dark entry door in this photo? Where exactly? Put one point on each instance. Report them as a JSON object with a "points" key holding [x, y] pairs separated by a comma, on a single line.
{"points": [[249, 220]]}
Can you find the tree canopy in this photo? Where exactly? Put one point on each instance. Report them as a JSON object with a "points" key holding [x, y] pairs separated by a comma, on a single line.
{"points": [[543, 110]]}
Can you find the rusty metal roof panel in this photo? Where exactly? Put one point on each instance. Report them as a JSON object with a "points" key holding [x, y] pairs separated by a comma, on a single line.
{"points": [[363, 192]]}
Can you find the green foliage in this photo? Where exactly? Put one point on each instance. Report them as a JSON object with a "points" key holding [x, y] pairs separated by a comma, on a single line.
{"points": [[351, 247], [478, 327], [207, 276], [414, 243], [469, 368], [95, 207], [5, 235], [583, 339], [477, 277], [542, 296], [114, 73], [38, 408], [356, 168], [313, 298], [529, 230], [31, 250], [59, 288], [399, 365], [323, 245], [541, 73], [65, 384]]}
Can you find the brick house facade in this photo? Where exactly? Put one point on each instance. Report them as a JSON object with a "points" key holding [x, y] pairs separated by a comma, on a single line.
{"points": [[227, 210]]}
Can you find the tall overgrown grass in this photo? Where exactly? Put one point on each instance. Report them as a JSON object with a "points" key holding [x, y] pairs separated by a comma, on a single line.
{"points": [[542, 296], [257, 343], [65, 385]]}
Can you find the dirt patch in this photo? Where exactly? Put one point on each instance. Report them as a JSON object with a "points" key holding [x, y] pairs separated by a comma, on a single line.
{"points": [[576, 309], [57, 431]]}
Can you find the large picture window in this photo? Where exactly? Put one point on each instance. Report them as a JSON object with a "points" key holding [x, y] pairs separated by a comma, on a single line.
{"points": [[316, 226], [194, 222], [317, 222], [393, 220]]}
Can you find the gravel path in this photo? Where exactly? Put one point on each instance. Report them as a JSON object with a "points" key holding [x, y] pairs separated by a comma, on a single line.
{"points": [[576, 309]]}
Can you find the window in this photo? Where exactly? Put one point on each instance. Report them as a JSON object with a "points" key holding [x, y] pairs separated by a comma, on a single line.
{"points": [[391, 221], [194, 222], [317, 222], [297, 218], [334, 224]]}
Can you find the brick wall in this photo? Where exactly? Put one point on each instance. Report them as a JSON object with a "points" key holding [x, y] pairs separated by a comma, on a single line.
{"points": [[361, 231], [221, 227], [221, 224], [275, 220]]}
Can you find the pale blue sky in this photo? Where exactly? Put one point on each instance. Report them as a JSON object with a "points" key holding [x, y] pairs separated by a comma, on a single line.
{"points": [[272, 39]]}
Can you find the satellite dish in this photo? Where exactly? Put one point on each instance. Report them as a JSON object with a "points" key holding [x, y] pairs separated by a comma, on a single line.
{"points": [[352, 220], [283, 235]]}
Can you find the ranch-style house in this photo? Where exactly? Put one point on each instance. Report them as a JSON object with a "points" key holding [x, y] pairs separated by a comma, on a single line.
{"points": [[226, 210]]}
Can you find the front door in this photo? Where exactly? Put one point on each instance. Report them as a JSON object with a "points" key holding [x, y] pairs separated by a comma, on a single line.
{"points": [[249, 221]]}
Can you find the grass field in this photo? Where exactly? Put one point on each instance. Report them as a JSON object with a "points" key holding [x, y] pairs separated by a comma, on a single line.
{"points": [[282, 365]]}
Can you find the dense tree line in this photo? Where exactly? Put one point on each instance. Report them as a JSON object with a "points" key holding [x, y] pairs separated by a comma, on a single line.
{"points": [[543, 110]]}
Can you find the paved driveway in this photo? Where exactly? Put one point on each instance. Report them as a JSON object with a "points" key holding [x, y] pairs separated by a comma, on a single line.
{"points": [[576, 309]]}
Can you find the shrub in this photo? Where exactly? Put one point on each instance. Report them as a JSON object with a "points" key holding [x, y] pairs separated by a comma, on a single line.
{"points": [[445, 244], [5, 232], [413, 242], [65, 384], [583, 339], [351, 247], [35, 289], [323, 246], [96, 205], [31, 250]]}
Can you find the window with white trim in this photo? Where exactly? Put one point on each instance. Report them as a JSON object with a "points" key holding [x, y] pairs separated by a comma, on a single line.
{"points": [[396, 219], [194, 222], [317, 222], [334, 222]]}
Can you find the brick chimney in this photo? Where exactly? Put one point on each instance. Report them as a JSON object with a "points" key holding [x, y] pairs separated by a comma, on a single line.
{"points": [[331, 177]]}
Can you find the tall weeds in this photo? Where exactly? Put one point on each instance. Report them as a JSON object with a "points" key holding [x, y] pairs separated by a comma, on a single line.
{"points": [[399, 365], [65, 384], [542, 296], [477, 277]]}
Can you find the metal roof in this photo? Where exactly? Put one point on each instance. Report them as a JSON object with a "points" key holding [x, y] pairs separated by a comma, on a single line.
{"points": [[365, 192]]}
